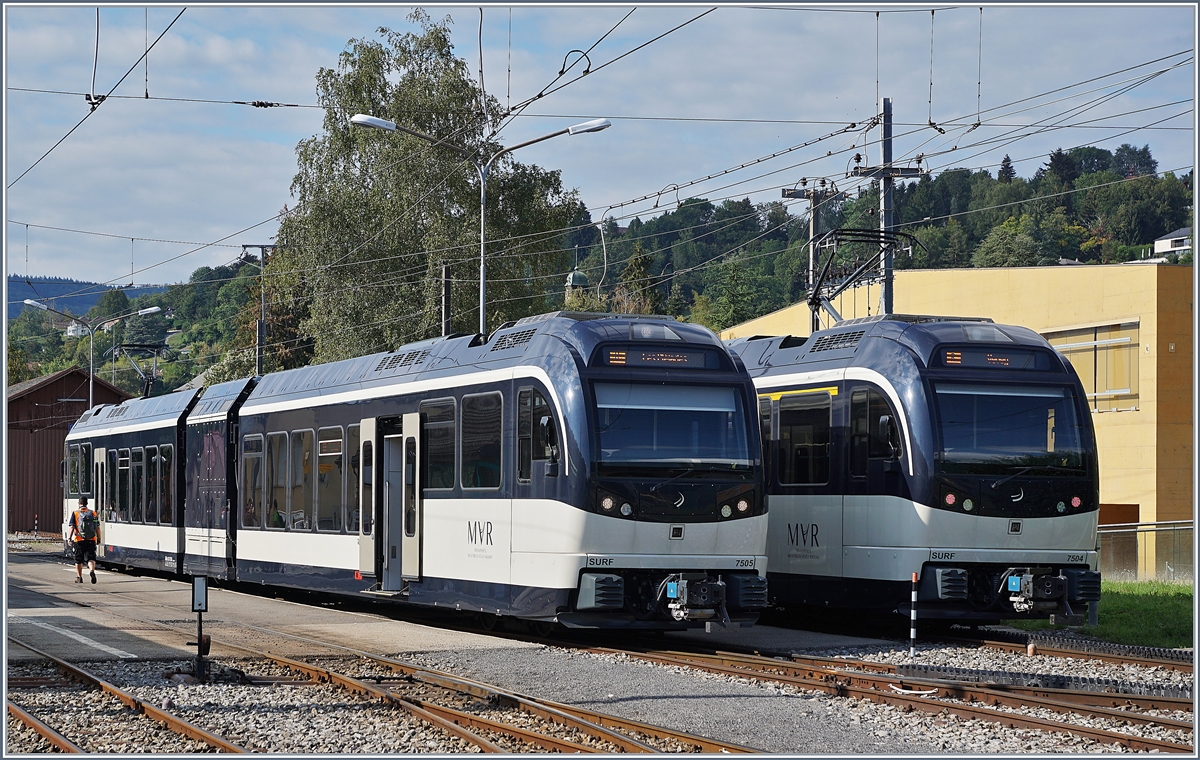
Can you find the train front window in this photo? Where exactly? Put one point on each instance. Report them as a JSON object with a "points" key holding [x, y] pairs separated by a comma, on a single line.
{"points": [[670, 426], [999, 429]]}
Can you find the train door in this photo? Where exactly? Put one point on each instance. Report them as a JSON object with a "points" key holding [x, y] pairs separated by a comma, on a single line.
{"points": [[391, 529], [410, 542], [206, 510], [366, 498], [100, 494], [806, 504]]}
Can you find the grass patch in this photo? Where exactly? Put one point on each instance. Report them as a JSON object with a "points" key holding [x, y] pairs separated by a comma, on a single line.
{"points": [[1142, 613]]}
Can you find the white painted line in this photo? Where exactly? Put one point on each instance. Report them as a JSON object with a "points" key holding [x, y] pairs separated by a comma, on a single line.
{"points": [[77, 636]]}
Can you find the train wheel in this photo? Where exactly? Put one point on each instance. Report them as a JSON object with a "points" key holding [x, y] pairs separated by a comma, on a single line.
{"points": [[543, 628], [488, 621]]}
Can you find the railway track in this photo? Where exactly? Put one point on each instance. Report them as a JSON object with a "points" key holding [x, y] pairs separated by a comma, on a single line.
{"points": [[478, 715], [1056, 646], [880, 683], [51, 706]]}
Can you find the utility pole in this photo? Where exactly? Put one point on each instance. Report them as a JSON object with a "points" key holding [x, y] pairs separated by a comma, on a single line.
{"points": [[886, 174], [816, 197], [445, 299], [260, 328]]}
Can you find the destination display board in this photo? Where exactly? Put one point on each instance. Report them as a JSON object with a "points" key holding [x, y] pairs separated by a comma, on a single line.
{"points": [[659, 356], [995, 358]]}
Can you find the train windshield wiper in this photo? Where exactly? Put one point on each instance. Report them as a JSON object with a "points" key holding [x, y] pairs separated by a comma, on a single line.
{"points": [[665, 483], [1024, 470]]}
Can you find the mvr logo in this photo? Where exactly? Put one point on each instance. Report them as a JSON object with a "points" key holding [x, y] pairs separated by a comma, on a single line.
{"points": [[479, 533], [800, 534]]}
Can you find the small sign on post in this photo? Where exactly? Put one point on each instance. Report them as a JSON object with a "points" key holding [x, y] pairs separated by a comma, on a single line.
{"points": [[200, 606], [199, 593]]}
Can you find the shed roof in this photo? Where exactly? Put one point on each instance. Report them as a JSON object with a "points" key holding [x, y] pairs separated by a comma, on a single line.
{"points": [[28, 386]]}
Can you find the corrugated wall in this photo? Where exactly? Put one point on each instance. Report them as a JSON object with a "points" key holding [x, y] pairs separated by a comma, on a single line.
{"points": [[34, 480]]}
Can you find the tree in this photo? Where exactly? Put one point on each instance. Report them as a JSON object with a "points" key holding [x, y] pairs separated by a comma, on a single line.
{"points": [[1129, 161], [1010, 245], [635, 293], [18, 365], [1007, 172], [1062, 165], [1091, 159], [379, 213]]}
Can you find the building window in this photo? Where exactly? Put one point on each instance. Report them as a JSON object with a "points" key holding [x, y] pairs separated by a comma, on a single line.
{"points": [[1106, 359]]}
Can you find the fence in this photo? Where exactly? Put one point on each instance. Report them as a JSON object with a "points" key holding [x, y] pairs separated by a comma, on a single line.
{"points": [[1147, 551]]}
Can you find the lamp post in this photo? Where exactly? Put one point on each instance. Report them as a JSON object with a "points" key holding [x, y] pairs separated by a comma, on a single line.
{"points": [[91, 334], [481, 168]]}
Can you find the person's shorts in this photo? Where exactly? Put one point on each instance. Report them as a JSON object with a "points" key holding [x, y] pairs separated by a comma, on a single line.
{"points": [[85, 551]]}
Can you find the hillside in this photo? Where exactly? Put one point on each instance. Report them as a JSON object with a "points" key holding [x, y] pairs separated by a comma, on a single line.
{"points": [[53, 292]]}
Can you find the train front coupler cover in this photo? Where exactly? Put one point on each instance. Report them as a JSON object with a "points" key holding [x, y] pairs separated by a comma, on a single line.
{"points": [[673, 600]]}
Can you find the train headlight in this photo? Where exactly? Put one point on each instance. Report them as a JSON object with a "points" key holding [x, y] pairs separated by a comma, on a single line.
{"points": [[968, 505], [608, 503], [1061, 507], [743, 505], [1076, 501], [950, 499], [627, 509], [726, 510]]}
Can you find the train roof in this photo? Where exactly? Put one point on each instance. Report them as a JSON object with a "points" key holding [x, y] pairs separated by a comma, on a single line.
{"points": [[532, 340], [141, 412], [837, 345]]}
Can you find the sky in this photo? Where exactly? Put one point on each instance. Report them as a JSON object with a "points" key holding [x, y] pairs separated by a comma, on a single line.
{"points": [[726, 89]]}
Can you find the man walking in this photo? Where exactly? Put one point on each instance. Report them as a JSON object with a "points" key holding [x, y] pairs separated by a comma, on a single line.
{"points": [[85, 532]]}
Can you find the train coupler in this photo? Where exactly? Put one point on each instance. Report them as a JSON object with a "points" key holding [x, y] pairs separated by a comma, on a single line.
{"points": [[693, 596]]}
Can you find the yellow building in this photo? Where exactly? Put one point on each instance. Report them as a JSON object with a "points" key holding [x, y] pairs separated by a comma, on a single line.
{"points": [[1128, 331]]}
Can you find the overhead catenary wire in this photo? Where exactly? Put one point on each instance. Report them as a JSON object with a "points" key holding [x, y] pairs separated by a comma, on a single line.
{"points": [[94, 107]]}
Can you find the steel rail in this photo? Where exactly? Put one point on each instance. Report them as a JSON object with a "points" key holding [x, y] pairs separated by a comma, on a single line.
{"points": [[455, 721], [1053, 651], [582, 717], [173, 722], [586, 720], [863, 686], [49, 734]]}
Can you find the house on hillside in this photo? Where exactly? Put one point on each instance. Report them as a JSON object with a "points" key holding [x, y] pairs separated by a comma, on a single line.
{"points": [[40, 412], [1179, 241]]}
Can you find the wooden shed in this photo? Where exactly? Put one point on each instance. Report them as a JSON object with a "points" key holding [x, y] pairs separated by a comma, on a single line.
{"points": [[40, 412]]}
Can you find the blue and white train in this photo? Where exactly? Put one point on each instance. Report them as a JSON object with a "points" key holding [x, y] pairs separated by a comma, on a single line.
{"points": [[957, 451], [594, 470]]}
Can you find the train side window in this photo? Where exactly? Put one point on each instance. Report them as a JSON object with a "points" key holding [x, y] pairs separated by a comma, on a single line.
{"points": [[764, 421], [524, 434], [368, 493], [481, 433], [252, 481], [437, 461], [867, 409], [804, 438], [275, 498], [532, 443], [300, 476], [137, 488], [73, 469], [85, 469], [110, 497], [352, 478], [151, 513], [859, 433], [166, 512], [330, 479]]}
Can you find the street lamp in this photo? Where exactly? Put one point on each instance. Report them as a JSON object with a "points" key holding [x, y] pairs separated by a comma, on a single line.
{"points": [[481, 168], [91, 334]]}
